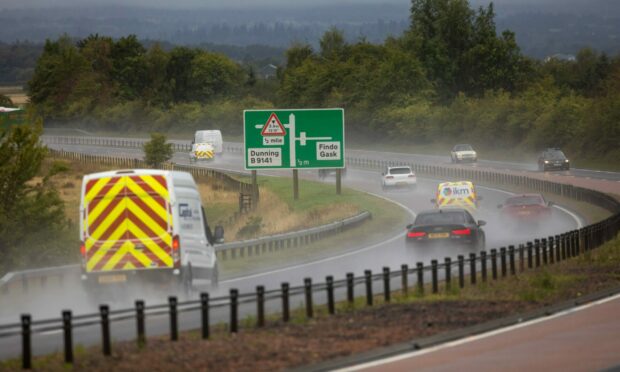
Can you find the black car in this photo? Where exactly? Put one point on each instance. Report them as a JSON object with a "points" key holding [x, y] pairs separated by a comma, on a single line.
{"points": [[446, 226], [553, 159]]}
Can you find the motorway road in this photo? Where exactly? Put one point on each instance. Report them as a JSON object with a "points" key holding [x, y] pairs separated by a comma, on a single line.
{"points": [[581, 339], [391, 253]]}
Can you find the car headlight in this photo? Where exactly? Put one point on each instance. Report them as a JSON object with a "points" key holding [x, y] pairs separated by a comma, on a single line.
{"points": [[566, 161], [546, 161]]}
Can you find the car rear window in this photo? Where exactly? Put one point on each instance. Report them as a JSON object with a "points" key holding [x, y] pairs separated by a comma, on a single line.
{"points": [[404, 170], [524, 200], [463, 148], [441, 218], [556, 155]]}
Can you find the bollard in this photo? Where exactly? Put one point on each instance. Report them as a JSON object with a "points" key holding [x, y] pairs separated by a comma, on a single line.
{"points": [[234, 320], [502, 256], [537, 250], [434, 276], [204, 314], [350, 288], [494, 263], [140, 323], [420, 272], [472, 268], [530, 257], [511, 256], [404, 274], [543, 248], [26, 342], [260, 306], [330, 295], [68, 335], [461, 260], [285, 302], [104, 311], [558, 249], [386, 284], [368, 277], [551, 250], [308, 290], [174, 325], [448, 267], [483, 265], [521, 258]]}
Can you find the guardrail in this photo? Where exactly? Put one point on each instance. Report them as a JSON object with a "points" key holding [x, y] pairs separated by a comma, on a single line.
{"points": [[475, 269], [27, 279]]}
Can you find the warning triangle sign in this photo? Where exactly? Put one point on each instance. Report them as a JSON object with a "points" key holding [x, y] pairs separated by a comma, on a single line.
{"points": [[273, 127]]}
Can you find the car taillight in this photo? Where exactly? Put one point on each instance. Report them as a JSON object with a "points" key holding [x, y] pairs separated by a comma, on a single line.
{"points": [[461, 232], [415, 234]]}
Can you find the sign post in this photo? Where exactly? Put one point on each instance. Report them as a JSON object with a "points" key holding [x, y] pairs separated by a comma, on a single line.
{"points": [[294, 139]]}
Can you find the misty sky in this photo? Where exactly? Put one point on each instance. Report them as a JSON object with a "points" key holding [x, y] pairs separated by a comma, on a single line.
{"points": [[239, 3]]}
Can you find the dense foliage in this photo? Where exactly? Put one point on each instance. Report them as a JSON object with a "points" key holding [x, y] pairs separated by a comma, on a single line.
{"points": [[157, 151], [451, 77], [31, 211]]}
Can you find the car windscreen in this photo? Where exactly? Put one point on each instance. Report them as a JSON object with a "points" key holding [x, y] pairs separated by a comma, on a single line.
{"points": [[555, 155], [463, 148], [524, 200], [404, 170], [441, 218]]}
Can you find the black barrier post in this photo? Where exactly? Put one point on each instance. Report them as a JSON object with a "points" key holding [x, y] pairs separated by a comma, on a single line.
{"points": [[285, 302], [551, 250], [521, 258], [350, 288], [562, 247], [368, 277], [483, 265], [420, 272], [558, 249], [461, 260], [260, 306], [26, 344], [140, 323], [494, 263], [537, 250], [544, 251], [204, 314], [577, 244], [66, 327], [448, 267], [386, 284], [530, 257], [502, 256], [308, 290], [404, 273], [434, 276], [174, 325], [511, 259], [104, 311], [234, 322], [330, 295], [472, 268]]}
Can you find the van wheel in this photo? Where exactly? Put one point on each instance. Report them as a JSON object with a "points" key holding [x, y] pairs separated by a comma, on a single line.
{"points": [[187, 277]]}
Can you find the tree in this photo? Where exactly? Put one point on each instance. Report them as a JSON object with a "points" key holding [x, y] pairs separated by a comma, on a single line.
{"points": [[157, 151], [31, 212], [5, 101]]}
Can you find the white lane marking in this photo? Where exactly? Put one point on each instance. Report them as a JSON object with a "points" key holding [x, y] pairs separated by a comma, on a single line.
{"points": [[414, 354], [288, 268]]}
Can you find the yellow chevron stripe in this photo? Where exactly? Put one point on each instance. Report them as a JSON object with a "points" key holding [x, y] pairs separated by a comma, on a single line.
{"points": [[146, 219], [117, 256], [109, 196], [115, 214], [164, 256], [99, 254], [162, 191], [94, 191], [147, 199]]}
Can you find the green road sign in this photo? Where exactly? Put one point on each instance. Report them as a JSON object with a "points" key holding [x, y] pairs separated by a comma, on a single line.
{"points": [[291, 139]]}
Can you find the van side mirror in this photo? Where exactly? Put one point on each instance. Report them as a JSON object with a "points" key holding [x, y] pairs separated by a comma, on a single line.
{"points": [[219, 234]]}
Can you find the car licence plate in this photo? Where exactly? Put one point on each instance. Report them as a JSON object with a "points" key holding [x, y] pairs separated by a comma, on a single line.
{"points": [[118, 278], [438, 235]]}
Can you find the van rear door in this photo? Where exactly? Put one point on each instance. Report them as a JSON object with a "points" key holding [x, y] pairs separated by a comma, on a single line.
{"points": [[127, 223]]}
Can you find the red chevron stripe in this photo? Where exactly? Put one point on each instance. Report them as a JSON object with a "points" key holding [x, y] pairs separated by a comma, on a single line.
{"points": [[148, 231], [104, 214], [146, 209], [103, 192], [128, 257], [90, 184], [91, 252], [150, 254], [162, 181], [149, 190], [106, 257]]}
